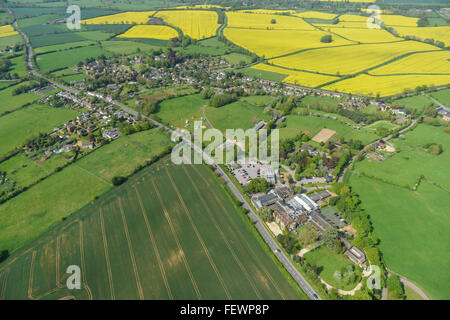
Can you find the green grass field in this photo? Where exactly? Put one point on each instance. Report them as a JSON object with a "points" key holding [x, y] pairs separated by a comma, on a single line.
{"points": [[443, 96], [412, 225], [419, 102], [312, 125], [24, 171], [258, 100], [20, 125], [313, 101], [168, 233], [413, 230], [17, 101], [211, 46], [411, 294], [10, 41], [236, 115], [18, 66], [55, 39], [126, 46], [64, 46], [29, 214], [328, 262], [237, 58], [68, 58], [176, 111], [262, 74]]}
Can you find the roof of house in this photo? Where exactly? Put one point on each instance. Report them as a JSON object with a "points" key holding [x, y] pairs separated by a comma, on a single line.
{"points": [[319, 220]]}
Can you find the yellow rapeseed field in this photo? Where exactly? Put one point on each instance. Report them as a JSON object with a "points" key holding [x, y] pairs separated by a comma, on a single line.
{"points": [[316, 15], [427, 62], [199, 6], [150, 31], [364, 35], [196, 24], [263, 21], [436, 33], [139, 17], [343, 24], [352, 18], [7, 30], [349, 59], [268, 11], [386, 85], [273, 43], [396, 20], [306, 79]]}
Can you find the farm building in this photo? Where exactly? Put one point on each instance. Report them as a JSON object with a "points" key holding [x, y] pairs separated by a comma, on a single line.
{"points": [[353, 253]]}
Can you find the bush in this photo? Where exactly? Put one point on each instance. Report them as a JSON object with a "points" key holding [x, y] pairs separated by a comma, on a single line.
{"points": [[220, 100], [4, 255], [326, 38], [118, 180]]}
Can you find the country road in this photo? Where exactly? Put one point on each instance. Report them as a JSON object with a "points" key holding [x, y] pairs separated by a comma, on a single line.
{"points": [[304, 285]]}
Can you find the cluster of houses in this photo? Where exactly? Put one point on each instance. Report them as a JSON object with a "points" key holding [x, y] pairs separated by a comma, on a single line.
{"points": [[291, 211], [74, 133], [156, 74]]}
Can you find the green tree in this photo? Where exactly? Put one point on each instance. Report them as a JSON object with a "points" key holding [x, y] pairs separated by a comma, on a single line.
{"points": [[307, 236], [266, 214], [328, 236], [326, 38], [395, 288], [258, 185]]}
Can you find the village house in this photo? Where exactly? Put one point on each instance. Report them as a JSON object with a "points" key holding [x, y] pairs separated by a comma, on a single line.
{"points": [[111, 134], [353, 253]]}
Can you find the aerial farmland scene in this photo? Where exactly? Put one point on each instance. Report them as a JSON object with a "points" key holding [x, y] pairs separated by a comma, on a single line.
{"points": [[225, 150]]}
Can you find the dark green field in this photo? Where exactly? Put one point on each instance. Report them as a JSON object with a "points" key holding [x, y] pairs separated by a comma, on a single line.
{"points": [[168, 233]]}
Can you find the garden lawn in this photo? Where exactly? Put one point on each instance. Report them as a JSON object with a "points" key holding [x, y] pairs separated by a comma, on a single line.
{"points": [[328, 262]]}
